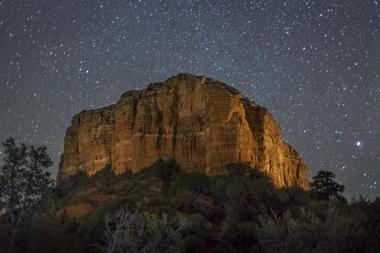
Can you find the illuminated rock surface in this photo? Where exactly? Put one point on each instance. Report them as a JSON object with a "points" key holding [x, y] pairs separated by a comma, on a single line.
{"points": [[202, 123]]}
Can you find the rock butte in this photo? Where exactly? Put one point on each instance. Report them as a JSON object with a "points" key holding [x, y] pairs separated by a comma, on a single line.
{"points": [[202, 123]]}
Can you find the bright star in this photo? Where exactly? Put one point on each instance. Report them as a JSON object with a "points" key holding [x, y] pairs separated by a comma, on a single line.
{"points": [[358, 143]]}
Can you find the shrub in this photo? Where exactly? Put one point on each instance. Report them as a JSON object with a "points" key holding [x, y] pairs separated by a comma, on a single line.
{"points": [[238, 169], [92, 226], [338, 232], [193, 181], [235, 204], [71, 183], [218, 188], [166, 170], [196, 236], [136, 231]]}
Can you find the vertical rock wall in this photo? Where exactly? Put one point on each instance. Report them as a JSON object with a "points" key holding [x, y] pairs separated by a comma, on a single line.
{"points": [[202, 123]]}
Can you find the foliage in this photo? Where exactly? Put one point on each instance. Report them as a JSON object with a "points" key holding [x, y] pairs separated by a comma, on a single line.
{"points": [[245, 169], [197, 234], [325, 187], [71, 183], [238, 169], [241, 211], [44, 223], [23, 180], [193, 181], [371, 210], [166, 170], [337, 232], [236, 202], [136, 231]]}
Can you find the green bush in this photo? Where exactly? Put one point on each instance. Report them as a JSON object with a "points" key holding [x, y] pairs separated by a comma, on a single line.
{"points": [[75, 181], [165, 170], [137, 231], [194, 181], [235, 205], [91, 227], [237, 212], [218, 188], [197, 235], [338, 232], [238, 169]]}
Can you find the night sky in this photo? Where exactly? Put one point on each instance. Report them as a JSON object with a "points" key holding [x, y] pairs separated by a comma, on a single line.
{"points": [[314, 64]]}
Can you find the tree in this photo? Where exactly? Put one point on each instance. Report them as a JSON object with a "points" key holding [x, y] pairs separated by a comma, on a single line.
{"points": [[136, 231], [194, 181], [165, 170], [245, 169], [238, 169], [339, 231], [23, 181], [325, 187], [235, 204]]}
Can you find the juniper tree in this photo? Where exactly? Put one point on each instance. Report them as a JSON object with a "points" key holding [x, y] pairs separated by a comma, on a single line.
{"points": [[23, 181], [325, 187]]}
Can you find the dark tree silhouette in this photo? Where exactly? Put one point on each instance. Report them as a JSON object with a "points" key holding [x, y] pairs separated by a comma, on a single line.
{"points": [[23, 181], [166, 170], [325, 187]]}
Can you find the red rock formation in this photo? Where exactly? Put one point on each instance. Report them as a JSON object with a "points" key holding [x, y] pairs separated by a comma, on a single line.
{"points": [[202, 123]]}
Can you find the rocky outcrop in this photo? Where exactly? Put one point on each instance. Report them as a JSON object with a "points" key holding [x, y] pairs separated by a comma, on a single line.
{"points": [[202, 123]]}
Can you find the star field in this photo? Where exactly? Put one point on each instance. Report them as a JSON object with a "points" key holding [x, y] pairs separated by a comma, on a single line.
{"points": [[314, 64]]}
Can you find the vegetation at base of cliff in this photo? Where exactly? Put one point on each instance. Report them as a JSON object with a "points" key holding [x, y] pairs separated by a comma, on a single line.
{"points": [[241, 211], [24, 181]]}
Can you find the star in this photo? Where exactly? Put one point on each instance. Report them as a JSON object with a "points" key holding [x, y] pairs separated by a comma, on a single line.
{"points": [[306, 62]]}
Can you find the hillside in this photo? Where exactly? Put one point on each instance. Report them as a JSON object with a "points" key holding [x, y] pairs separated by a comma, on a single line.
{"points": [[240, 211]]}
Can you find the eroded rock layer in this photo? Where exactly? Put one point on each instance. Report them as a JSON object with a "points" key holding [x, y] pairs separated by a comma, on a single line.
{"points": [[202, 123]]}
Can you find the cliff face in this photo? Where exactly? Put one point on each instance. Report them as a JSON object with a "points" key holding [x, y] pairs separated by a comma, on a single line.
{"points": [[202, 123]]}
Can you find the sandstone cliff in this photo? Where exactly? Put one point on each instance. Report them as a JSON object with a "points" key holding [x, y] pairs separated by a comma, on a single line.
{"points": [[202, 123]]}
